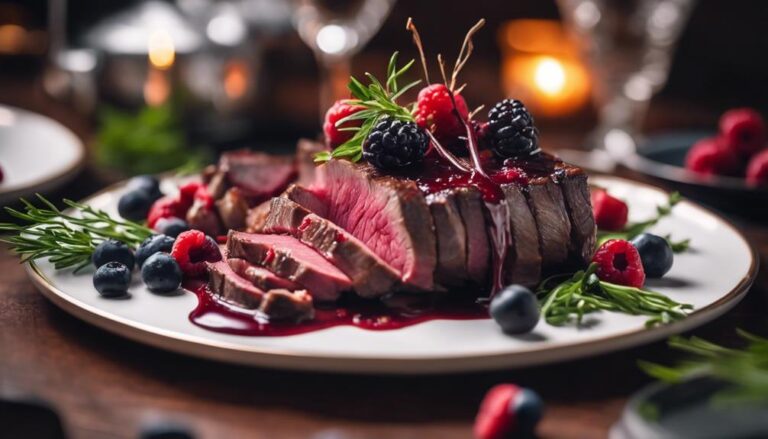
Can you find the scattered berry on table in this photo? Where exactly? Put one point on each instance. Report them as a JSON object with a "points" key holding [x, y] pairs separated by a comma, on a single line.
{"points": [[334, 136], [655, 253], [435, 112], [610, 212], [394, 144], [161, 273], [112, 279], [710, 157], [757, 170], [165, 207], [515, 309], [743, 130], [134, 205], [511, 130], [153, 244], [192, 250], [618, 262], [113, 251], [171, 226], [187, 193], [147, 183], [508, 411]]}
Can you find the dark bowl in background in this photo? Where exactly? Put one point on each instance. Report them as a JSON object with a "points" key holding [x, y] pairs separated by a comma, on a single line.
{"points": [[662, 157]]}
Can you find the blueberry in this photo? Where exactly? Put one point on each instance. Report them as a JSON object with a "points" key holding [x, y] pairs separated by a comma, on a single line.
{"points": [[134, 205], [112, 279], [527, 409], [113, 251], [171, 226], [152, 245], [161, 273], [655, 253], [515, 309], [166, 430], [147, 183]]}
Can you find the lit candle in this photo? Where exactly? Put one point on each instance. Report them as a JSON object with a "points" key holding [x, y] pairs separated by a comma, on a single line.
{"points": [[161, 55]]}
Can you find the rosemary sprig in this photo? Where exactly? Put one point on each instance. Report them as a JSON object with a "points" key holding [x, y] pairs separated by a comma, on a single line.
{"points": [[634, 229], [746, 370], [67, 239], [378, 100], [569, 300]]}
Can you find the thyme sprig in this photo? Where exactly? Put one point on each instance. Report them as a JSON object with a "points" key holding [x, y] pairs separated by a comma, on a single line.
{"points": [[67, 239], [634, 229], [566, 299], [746, 370], [378, 100]]}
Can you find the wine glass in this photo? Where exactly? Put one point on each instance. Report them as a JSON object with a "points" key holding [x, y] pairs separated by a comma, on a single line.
{"points": [[628, 45], [335, 30]]}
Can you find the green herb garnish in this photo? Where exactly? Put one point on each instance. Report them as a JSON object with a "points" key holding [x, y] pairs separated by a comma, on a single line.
{"points": [[583, 293], [634, 229], [746, 370], [378, 100], [68, 240]]}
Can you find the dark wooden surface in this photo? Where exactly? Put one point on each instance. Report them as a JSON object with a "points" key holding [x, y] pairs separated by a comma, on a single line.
{"points": [[104, 386]]}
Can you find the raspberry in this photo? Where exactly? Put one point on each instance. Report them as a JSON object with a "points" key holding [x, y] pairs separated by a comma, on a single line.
{"points": [[187, 194], [165, 207], [434, 111], [495, 420], [757, 171], [610, 212], [619, 263], [743, 130], [394, 144], [710, 157], [339, 110], [203, 197], [192, 250]]}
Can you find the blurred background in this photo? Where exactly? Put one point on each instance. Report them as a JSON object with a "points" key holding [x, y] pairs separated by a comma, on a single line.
{"points": [[202, 75]]}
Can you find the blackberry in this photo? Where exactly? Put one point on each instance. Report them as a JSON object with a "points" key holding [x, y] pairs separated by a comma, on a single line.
{"points": [[511, 132], [394, 144]]}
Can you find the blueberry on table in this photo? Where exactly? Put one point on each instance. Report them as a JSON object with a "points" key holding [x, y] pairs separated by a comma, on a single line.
{"points": [[147, 183], [113, 251], [527, 408], [134, 205], [515, 309], [172, 226], [655, 253], [153, 244], [161, 273], [112, 279]]}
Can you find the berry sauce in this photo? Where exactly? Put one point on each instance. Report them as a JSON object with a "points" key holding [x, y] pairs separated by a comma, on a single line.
{"points": [[398, 311]]}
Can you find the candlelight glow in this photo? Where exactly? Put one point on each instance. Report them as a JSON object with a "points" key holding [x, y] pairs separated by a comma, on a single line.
{"points": [[550, 76], [235, 79], [161, 50], [157, 87]]}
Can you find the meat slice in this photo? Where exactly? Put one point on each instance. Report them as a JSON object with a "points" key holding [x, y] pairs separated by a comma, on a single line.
{"points": [[523, 264], [289, 258], [260, 276], [388, 214], [260, 176], [274, 303], [577, 200], [305, 160], [233, 209], [371, 276], [548, 206], [472, 210], [451, 239], [307, 199]]}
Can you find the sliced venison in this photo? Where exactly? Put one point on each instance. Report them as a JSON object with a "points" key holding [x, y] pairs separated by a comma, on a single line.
{"points": [[523, 265], [260, 276], [577, 200], [451, 237], [548, 206], [472, 210]]}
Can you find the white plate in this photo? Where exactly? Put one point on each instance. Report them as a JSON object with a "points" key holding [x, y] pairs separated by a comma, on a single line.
{"points": [[36, 153], [713, 277]]}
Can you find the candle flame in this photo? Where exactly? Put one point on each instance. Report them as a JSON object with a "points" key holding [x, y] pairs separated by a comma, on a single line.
{"points": [[161, 50], [549, 76], [235, 79]]}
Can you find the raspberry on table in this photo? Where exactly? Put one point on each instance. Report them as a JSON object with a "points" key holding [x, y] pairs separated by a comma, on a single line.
{"points": [[743, 130], [192, 250], [619, 262], [610, 213], [434, 111], [511, 130], [165, 207], [711, 157], [339, 110], [757, 170], [394, 144]]}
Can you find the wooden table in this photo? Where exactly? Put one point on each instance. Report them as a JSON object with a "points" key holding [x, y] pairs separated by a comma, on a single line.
{"points": [[105, 386]]}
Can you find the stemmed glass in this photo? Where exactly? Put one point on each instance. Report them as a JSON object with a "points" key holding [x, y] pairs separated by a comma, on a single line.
{"points": [[628, 45], [335, 30]]}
